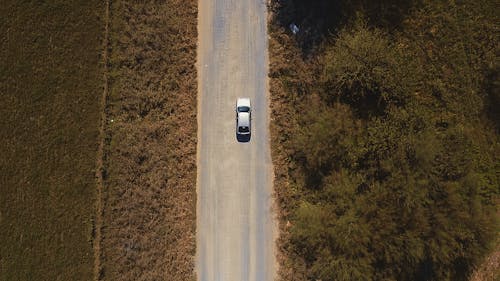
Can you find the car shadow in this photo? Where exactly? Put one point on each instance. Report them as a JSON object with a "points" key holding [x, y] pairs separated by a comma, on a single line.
{"points": [[243, 138]]}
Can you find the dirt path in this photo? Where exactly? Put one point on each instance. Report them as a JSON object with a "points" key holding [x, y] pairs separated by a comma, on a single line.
{"points": [[235, 223], [100, 151]]}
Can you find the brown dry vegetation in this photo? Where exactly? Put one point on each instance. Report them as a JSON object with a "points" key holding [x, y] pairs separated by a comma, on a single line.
{"points": [[50, 84], [284, 57], [150, 155]]}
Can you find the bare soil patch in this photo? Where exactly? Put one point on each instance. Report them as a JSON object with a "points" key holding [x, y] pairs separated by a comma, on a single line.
{"points": [[489, 270]]}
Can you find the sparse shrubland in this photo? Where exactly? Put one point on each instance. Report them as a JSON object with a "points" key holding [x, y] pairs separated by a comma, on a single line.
{"points": [[387, 155]]}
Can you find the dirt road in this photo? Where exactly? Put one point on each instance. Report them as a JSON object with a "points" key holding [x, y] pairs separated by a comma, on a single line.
{"points": [[235, 227]]}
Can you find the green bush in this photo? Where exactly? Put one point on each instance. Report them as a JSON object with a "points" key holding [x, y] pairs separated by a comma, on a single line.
{"points": [[363, 68], [397, 159]]}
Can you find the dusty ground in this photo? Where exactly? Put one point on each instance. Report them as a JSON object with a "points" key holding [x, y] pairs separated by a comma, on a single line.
{"points": [[489, 270], [235, 222]]}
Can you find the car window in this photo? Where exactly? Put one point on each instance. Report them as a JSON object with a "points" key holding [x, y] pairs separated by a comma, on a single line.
{"points": [[243, 129], [243, 109]]}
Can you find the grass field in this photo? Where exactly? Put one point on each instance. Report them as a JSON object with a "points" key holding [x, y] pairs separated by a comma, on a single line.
{"points": [[150, 184], [50, 84]]}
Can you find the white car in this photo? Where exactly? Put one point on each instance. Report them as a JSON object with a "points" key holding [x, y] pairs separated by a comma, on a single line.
{"points": [[243, 116]]}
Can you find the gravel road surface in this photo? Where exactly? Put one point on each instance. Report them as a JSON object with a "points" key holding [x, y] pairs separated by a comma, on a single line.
{"points": [[235, 222]]}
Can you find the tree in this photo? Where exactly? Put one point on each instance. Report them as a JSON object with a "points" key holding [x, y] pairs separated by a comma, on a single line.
{"points": [[364, 69]]}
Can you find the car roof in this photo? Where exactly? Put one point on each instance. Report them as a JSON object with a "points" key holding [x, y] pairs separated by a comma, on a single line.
{"points": [[243, 102], [244, 119]]}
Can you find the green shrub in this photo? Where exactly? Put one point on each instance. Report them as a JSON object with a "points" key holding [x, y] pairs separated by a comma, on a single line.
{"points": [[397, 159]]}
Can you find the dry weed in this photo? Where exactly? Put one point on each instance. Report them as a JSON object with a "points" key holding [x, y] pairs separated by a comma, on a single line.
{"points": [[149, 221]]}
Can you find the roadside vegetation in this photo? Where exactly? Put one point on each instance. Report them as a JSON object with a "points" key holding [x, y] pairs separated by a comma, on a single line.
{"points": [[385, 138], [150, 152], [50, 84], [51, 88]]}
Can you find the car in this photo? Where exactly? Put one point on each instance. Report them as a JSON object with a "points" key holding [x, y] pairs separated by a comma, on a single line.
{"points": [[243, 116]]}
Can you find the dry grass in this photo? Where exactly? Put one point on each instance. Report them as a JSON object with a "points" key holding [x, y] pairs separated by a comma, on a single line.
{"points": [[50, 82], [289, 77], [51, 88], [150, 183]]}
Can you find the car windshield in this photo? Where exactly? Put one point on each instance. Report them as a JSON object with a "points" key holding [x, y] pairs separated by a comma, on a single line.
{"points": [[244, 129], [243, 109]]}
